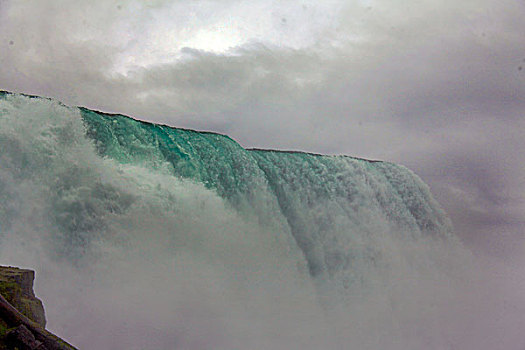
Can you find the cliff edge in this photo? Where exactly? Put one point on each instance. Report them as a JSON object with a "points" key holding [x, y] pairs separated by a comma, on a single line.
{"points": [[16, 286], [22, 316]]}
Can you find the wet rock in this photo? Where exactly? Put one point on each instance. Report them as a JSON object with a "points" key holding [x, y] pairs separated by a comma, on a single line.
{"points": [[22, 339], [16, 286]]}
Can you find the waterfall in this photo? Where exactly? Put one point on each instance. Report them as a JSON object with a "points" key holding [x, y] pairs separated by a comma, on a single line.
{"points": [[148, 236]]}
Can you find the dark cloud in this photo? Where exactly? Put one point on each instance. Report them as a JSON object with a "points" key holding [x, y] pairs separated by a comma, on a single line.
{"points": [[436, 86]]}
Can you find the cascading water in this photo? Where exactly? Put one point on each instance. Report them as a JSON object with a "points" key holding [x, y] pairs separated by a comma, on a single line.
{"points": [[151, 237]]}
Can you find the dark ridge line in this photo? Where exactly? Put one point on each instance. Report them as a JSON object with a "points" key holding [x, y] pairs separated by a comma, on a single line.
{"points": [[313, 154], [117, 115], [224, 135], [154, 124], [30, 96], [82, 108]]}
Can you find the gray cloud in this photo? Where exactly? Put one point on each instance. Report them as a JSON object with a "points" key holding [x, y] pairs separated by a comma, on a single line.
{"points": [[436, 85]]}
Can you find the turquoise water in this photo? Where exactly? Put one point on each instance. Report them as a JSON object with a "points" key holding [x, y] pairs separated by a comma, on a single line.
{"points": [[325, 200], [260, 239]]}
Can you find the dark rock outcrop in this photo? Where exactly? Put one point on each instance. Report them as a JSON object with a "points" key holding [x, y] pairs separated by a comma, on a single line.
{"points": [[22, 316], [16, 286], [22, 338]]}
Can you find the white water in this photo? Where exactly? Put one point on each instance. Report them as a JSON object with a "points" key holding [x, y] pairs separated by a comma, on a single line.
{"points": [[130, 255]]}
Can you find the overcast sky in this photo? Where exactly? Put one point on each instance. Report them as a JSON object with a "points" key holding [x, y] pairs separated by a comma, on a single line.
{"points": [[436, 85]]}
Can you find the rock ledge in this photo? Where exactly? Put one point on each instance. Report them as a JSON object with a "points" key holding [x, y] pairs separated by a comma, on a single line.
{"points": [[22, 317]]}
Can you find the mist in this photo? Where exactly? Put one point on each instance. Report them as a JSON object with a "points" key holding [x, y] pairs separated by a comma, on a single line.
{"points": [[129, 256], [434, 86]]}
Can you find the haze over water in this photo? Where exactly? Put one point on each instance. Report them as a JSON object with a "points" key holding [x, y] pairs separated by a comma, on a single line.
{"points": [[144, 236]]}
